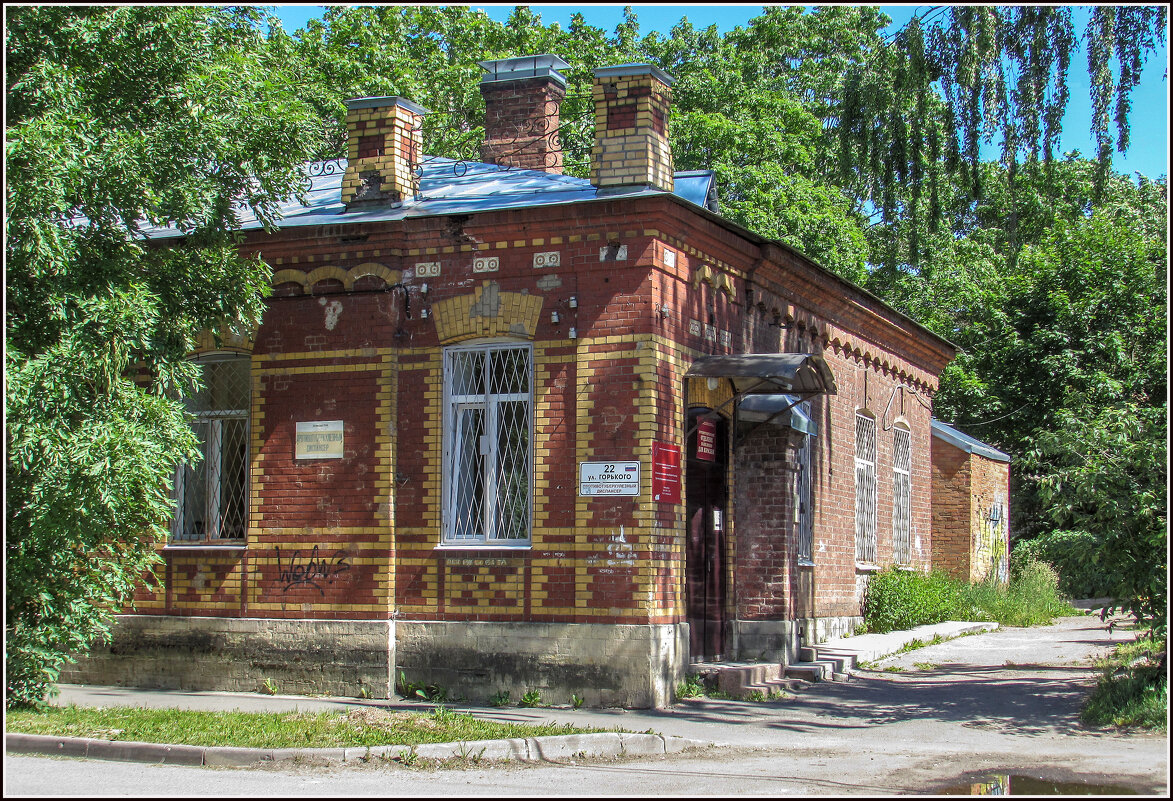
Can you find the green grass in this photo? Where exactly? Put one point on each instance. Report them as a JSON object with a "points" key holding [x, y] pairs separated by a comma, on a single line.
{"points": [[354, 728], [1133, 689]]}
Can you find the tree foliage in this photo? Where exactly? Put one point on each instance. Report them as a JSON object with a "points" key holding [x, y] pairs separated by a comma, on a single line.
{"points": [[119, 118]]}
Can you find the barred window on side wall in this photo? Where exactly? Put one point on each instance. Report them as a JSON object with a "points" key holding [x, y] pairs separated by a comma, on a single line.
{"points": [[213, 493]]}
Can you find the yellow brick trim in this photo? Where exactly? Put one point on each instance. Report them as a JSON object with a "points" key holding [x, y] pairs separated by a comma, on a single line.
{"points": [[320, 368], [487, 312]]}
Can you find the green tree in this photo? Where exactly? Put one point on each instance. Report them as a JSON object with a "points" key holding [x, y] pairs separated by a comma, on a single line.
{"points": [[1102, 474], [121, 118]]}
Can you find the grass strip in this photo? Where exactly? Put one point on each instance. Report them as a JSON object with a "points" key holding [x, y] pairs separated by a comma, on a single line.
{"points": [[353, 728]]}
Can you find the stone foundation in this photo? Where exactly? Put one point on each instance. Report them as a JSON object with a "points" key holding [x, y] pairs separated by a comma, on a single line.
{"points": [[607, 665], [330, 657], [779, 640]]}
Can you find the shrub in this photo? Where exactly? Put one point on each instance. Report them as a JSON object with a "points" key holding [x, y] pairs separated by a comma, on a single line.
{"points": [[900, 599], [1066, 551]]}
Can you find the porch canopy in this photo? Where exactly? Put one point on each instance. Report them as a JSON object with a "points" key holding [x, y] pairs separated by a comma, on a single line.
{"points": [[768, 385], [768, 373]]}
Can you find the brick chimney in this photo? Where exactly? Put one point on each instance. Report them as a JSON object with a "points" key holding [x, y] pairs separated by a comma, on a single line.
{"points": [[382, 151], [522, 97], [632, 104]]}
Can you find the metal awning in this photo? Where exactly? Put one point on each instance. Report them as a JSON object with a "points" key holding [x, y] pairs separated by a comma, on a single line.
{"points": [[768, 373], [760, 408]]}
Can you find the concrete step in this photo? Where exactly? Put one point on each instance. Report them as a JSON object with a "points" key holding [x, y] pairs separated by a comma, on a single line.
{"points": [[844, 661], [740, 679], [818, 670], [736, 677], [768, 688]]}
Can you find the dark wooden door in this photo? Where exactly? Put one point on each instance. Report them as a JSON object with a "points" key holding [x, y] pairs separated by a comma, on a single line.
{"points": [[705, 551]]}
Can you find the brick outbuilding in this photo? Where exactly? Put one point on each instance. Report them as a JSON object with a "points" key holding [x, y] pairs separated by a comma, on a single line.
{"points": [[503, 429], [971, 506]]}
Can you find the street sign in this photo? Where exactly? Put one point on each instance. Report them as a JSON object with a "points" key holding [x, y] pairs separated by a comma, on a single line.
{"points": [[608, 478]]}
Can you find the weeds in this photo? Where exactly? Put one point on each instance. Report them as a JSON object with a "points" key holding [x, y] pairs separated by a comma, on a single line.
{"points": [[1133, 689], [576, 700], [531, 698], [902, 599], [269, 687], [691, 687], [500, 698], [432, 693], [408, 758]]}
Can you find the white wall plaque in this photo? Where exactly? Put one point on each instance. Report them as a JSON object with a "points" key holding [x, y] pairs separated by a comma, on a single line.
{"points": [[427, 269], [485, 264], [319, 440], [608, 478]]}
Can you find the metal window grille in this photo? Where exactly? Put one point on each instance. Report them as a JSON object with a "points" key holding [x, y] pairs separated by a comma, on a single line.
{"points": [[902, 496], [865, 489], [802, 496], [487, 454], [213, 493]]}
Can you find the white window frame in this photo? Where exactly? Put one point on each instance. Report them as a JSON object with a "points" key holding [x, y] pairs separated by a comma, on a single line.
{"points": [[489, 403], [209, 424], [865, 488], [901, 495]]}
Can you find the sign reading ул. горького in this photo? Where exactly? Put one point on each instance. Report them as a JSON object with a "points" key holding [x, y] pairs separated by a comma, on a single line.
{"points": [[608, 478]]}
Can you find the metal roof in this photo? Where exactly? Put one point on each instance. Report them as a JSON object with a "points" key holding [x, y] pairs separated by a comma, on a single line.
{"points": [[768, 373], [449, 186], [967, 443]]}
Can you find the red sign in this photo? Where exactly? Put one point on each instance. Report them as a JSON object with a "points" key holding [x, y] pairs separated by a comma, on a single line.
{"points": [[665, 473], [706, 440]]}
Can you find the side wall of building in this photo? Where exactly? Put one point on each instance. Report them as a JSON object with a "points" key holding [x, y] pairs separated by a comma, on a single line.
{"points": [[971, 509]]}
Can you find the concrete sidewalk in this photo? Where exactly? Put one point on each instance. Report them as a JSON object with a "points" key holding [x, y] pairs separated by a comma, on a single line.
{"points": [[870, 647], [677, 729]]}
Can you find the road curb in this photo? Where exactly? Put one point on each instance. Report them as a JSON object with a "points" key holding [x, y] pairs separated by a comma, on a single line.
{"points": [[530, 749]]}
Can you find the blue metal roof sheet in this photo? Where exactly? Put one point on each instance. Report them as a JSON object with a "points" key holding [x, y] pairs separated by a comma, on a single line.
{"points": [[449, 186], [966, 443]]}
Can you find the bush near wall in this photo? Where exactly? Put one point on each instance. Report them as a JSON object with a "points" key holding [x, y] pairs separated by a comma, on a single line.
{"points": [[899, 599], [1066, 551]]}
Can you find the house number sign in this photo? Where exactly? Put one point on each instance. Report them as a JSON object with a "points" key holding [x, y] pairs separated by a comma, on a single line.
{"points": [[608, 478], [319, 440]]}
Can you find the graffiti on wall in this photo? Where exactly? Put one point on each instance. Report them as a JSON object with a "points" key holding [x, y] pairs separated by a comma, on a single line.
{"points": [[312, 571]]}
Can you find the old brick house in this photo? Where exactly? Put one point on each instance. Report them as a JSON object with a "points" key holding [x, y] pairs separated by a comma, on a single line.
{"points": [[505, 429], [971, 506]]}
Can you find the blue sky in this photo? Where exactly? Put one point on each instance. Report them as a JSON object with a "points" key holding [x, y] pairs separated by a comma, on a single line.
{"points": [[1149, 153]]}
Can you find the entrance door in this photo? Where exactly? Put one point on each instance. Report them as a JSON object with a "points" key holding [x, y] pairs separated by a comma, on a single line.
{"points": [[705, 552]]}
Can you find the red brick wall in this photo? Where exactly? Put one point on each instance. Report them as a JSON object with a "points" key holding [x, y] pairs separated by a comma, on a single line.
{"points": [[609, 393], [766, 570]]}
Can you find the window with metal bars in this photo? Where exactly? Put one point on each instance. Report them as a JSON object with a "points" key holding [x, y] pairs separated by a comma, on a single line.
{"points": [[803, 522], [865, 488], [213, 493], [487, 434], [901, 495]]}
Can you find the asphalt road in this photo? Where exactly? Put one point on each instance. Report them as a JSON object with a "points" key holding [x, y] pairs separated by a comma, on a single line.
{"points": [[1003, 702]]}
